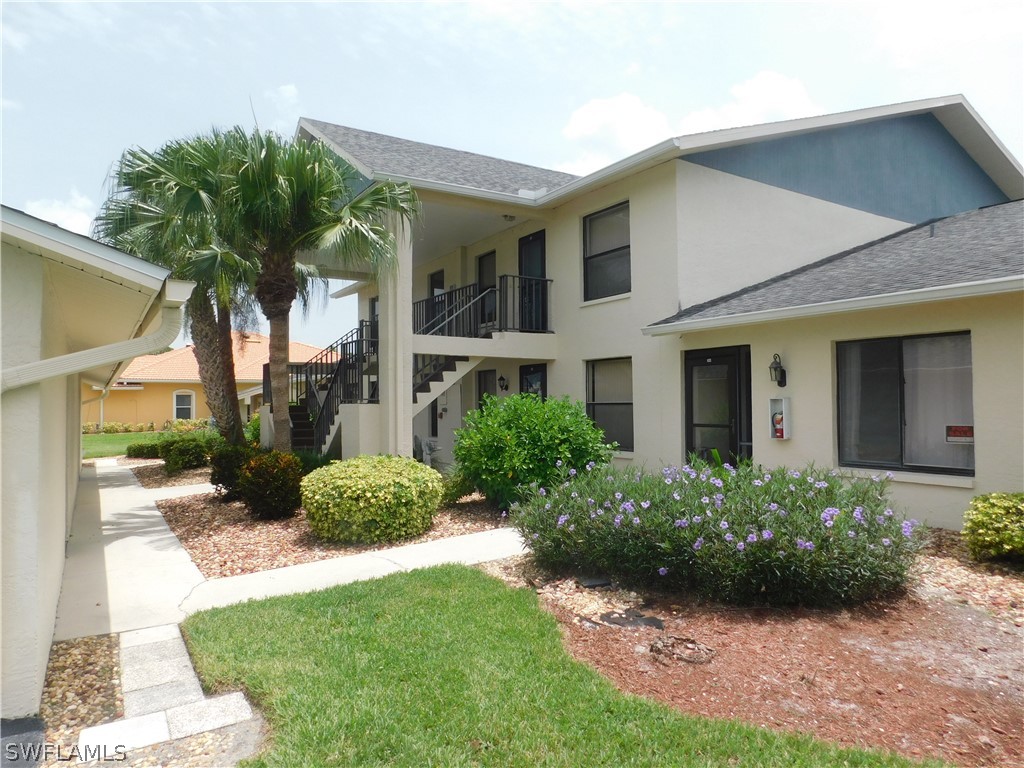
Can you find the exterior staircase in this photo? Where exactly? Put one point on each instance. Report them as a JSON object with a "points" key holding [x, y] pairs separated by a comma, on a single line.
{"points": [[434, 374]]}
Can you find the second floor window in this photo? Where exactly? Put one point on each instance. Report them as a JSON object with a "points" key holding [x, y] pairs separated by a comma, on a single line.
{"points": [[606, 253]]}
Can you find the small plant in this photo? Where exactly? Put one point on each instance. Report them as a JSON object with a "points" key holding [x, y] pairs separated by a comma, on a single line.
{"points": [[456, 485], [311, 460], [226, 462], [994, 526], [252, 430], [514, 441], [143, 450], [371, 499], [187, 425], [185, 454], [269, 485], [740, 535]]}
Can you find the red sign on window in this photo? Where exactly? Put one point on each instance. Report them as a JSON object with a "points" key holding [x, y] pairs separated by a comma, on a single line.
{"points": [[963, 433]]}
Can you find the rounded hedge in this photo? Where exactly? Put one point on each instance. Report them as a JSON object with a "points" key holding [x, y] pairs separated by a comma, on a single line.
{"points": [[371, 499], [994, 526], [514, 441], [269, 485], [226, 463], [188, 453]]}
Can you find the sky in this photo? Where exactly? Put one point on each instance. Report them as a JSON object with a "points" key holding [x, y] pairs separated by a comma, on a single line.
{"points": [[571, 86]]}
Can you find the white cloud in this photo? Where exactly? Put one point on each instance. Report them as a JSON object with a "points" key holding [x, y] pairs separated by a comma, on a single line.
{"points": [[75, 213], [586, 163], [766, 97], [624, 121], [285, 101], [13, 38]]}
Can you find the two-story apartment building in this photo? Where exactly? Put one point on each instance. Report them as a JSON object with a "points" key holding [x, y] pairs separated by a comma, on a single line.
{"points": [[606, 288]]}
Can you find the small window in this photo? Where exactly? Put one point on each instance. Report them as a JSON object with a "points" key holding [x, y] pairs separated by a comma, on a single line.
{"points": [[606, 253], [486, 384], [610, 399], [184, 404], [907, 403], [533, 380]]}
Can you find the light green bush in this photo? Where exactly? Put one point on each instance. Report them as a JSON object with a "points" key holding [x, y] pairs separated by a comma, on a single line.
{"points": [[252, 430], [371, 499], [994, 526]]}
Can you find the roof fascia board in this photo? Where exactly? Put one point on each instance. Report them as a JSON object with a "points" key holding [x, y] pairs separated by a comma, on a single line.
{"points": [[941, 293], [82, 250]]}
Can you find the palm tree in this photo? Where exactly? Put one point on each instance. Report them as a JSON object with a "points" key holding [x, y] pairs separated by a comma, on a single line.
{"points": [[288, 197], [163, 208]]}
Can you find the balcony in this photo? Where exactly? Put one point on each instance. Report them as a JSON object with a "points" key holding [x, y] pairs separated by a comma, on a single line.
{"points": [[517, 303]]}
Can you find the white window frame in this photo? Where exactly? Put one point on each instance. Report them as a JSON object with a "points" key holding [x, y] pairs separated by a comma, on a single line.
{"points": [[174, 403]]}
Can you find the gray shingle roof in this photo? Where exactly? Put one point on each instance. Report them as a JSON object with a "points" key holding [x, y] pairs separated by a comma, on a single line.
{"points": [[391, 156], [984, 244]]}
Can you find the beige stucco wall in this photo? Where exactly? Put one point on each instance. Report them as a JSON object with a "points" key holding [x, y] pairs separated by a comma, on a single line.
{"points": [[153, 403], [807, 348], [734, 232], [38, 490]]}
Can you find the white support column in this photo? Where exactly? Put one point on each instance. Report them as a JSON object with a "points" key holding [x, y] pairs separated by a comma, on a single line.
{"points": [[396, 352]]}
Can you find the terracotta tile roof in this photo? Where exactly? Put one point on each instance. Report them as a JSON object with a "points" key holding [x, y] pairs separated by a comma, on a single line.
{"points": [[251, 350]]}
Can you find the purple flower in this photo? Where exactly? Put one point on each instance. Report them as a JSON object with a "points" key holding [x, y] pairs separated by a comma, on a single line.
{"points": [[829, 523], [591, 465], [663, 571], [627, 507], [636, 521], [548, 505], [808, 545], [535, 536], [542, 492], [675, 495], [794, 474], [887, 542], [618, 496], [562, 520], [880, 520], [758, 483], [752, 538], [767, 476], [773, 507], [618, 520], [682, 523], [572, 473], [705, 500], [590, 502], [792, 487], [852, 534], [821, 484], [717, 482], [729, 537], [696, 545], [741, 546], [888, 513], [645, 504], [697, 519], [574, 495], [767, 535], [558, 463], [723, 525], [858, 515], [907, 527], [607, 505]]}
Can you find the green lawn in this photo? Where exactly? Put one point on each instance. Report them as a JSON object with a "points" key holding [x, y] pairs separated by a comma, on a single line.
{"points": [[96, 446], [449, 667]]}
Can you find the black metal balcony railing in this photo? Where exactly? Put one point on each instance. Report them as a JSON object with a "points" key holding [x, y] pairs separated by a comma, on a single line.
{"points": [[517, 303]]}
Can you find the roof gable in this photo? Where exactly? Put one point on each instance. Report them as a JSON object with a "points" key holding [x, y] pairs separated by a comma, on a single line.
{"points": [[907, 168]]}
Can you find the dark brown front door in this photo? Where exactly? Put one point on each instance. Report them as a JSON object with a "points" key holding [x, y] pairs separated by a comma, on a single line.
{"points": [[718, 403]]}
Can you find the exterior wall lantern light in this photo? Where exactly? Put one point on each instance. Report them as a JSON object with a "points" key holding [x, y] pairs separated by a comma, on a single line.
{"points": [[503, 384], [777, 372]]}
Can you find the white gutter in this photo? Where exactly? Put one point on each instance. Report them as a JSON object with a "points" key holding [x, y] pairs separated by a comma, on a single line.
{"points": [[175, 293], [902, 298]]}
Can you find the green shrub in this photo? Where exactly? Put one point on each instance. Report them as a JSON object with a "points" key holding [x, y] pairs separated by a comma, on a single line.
{"points": [[90, 428], [252, 430], [994, 526], [311, 460], [514, 441], [456, 485], [187, 425], [143, 450], [739, 535], [269, 485], [226, 461], [188, 453], [371, 499]]}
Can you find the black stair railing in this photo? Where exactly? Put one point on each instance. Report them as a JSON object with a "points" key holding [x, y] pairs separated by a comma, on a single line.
{"points": [[517, 303]]}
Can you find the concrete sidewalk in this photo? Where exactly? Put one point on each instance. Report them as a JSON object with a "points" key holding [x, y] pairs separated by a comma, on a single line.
{"points": [[127, 573]]}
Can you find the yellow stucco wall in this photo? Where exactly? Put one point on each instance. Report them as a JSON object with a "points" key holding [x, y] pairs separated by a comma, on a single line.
{"points": [[154, 402], [807, 348]]}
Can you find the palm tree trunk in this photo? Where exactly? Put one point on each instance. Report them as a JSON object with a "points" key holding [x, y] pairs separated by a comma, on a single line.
{"points": [[231, 427], [279, 330], [206, 347]]}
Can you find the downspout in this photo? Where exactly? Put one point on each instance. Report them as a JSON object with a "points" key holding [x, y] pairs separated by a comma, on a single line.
{"points": [[175, 293], [101, 397]]}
